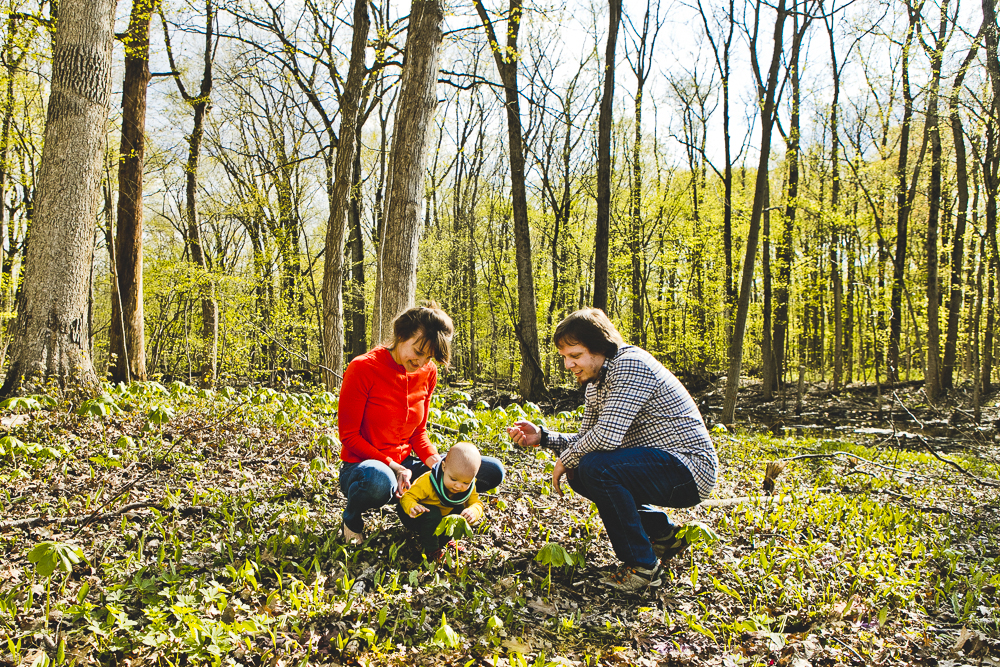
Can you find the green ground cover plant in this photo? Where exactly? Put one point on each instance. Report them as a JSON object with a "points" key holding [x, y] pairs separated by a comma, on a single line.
{"points": [[167, 525]]}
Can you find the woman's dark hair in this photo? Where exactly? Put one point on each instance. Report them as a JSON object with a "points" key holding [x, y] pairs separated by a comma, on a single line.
{"points": [[429, 323], [591, 328]]}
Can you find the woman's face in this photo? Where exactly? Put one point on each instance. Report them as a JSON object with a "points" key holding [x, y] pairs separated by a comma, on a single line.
{"points": [[412, 353]]}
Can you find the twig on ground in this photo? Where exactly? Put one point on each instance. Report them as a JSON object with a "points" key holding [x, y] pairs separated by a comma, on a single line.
{"points": [[979, 480]]}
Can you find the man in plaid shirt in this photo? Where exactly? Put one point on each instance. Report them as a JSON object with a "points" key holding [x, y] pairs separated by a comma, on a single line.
{"points": [[642, 442]]}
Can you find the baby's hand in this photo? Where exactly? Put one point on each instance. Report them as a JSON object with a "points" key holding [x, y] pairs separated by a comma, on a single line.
{"points": [[472, 516], [416, 510]]}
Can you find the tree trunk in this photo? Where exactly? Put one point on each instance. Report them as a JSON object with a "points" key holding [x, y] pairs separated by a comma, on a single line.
{"points": [[782, 320], [357, 340], [932, 380], [396, 283], [127, 345], [341, 198], [50, 341], [209, 306], [760, 195], [903, 206], [532, 378], [603, 223]]}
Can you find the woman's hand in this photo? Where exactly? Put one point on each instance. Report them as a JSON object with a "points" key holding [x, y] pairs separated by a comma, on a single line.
{"points": [[417, 510], [403, 475], [433, 460], [525, 434]]}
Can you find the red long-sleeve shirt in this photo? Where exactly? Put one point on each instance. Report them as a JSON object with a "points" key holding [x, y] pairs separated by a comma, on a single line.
{"points": [[383, 409]]}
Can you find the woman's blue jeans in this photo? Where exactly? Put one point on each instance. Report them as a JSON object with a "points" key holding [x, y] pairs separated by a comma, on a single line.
{"points": [[371, 484], [623, 483]]}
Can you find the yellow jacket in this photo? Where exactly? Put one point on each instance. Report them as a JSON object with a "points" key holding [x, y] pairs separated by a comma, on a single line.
{"points": [[422, 492]]}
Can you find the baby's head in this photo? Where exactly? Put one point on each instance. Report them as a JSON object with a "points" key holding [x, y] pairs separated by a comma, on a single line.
{"points": [[460, 467]]}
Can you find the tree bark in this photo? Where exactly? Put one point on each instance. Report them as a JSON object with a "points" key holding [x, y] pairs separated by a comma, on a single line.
{"points": [[341, 200], [955, 295], [760, 195], [50, 342], [199, 103], [604, 119], [127, 344], [396, 283], [532, 378], [932, 379], [903, 207]]}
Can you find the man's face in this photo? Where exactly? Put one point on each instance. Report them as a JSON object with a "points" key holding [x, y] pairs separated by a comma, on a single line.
{"points": [[581, 362]]}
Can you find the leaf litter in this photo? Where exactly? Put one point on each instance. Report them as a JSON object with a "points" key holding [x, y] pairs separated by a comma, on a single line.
{"points": [[207, 528]]}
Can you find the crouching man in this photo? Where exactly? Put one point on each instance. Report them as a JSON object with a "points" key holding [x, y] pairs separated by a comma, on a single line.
{"points": [[642, 442]]}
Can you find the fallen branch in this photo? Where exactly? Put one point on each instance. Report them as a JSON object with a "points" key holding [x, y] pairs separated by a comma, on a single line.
{"points": [[30, 521], [979, 480]]}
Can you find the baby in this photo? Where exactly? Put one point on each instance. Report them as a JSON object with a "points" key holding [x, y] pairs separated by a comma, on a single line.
{"points": [[449, 485]]}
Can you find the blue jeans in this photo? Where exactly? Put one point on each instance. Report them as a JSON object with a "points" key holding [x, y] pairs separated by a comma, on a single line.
{"points": [[371, 484], [623, 483]]}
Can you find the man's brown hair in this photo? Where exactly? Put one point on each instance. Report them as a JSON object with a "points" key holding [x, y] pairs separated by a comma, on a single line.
{"points": [[428, 323], [591, 328]]}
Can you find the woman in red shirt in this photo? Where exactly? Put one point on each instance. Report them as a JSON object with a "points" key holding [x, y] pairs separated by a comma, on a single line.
{"points": [[384, 403]]}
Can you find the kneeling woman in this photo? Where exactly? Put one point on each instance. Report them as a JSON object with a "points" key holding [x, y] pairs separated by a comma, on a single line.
{"points": [[384, 402]]}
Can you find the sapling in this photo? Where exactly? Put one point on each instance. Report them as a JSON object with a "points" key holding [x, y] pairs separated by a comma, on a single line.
{"points": [[51, 556]]}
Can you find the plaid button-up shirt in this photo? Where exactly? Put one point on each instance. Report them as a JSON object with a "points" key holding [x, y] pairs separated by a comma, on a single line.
{"points": [[636, 402]]}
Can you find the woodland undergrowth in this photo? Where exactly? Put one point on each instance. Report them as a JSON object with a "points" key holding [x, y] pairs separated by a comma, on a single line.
{"points": [[167, 525]]}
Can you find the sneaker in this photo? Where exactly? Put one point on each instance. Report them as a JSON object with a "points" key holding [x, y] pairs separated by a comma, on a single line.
{"points": [[352, 538], [669, 545], [633, 579]]}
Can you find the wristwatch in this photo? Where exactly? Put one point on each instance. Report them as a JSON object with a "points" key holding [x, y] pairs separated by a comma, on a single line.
{"points": [[543, 434]]}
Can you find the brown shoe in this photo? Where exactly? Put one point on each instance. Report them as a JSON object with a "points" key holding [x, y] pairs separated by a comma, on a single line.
{"points": [[352, 538]]}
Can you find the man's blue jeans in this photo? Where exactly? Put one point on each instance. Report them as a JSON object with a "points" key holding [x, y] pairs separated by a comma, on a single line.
{"points": [[623, 483], [372, 484]]}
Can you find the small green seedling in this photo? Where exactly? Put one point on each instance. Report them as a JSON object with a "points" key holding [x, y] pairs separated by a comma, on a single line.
{"points": [[555, 555], [51, 556], [446, 637], [454, 526]]}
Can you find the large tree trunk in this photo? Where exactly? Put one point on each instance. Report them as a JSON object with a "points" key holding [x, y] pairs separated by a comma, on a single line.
{"points": [[991, 181], [603, 223], [340, 195], [532, 379], [396, 284], [127, 344], [50, 341], [759, 198]]}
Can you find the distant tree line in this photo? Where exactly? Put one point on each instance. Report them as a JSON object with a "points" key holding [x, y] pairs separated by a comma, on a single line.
{"points": [[799, 190]]}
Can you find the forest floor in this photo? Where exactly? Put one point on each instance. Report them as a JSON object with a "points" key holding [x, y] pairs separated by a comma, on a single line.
{"points": [[176, 526]]}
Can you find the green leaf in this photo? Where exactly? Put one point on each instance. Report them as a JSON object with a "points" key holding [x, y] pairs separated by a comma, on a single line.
{"points": [[698, 532], [454, 525], [555, 555], [445, 636], [49, 556], [159, 415]]}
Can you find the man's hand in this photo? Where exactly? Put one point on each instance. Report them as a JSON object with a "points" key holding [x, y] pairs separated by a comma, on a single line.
{"points": [[417, 510], [557, 473], [472, 516], [525, 434], [433, 460], [403, 475]]}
